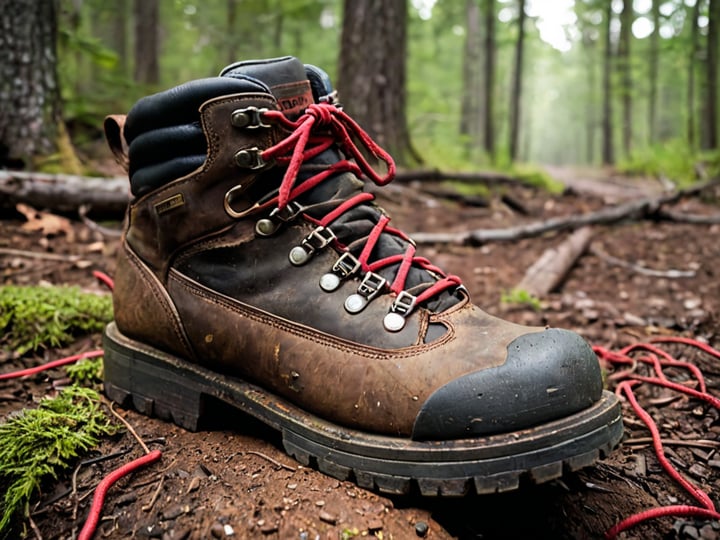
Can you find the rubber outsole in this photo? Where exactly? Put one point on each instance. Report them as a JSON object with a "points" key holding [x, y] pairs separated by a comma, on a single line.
{"points": [[161, 385]]}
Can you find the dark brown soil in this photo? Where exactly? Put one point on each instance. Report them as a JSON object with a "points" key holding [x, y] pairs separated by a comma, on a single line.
{"points": [[235, 480]]}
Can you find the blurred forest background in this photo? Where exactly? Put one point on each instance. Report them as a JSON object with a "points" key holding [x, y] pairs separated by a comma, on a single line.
{"points": [[477, 84]]}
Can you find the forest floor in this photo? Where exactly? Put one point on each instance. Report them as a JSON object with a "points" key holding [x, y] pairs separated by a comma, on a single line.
{"points": [[234, 480]]}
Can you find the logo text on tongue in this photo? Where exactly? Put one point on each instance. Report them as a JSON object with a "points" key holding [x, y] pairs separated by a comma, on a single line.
{"points": [[293, 98]]}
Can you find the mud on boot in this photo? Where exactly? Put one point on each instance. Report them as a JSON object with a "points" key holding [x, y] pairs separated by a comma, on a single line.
{"points": [[254, 269]]}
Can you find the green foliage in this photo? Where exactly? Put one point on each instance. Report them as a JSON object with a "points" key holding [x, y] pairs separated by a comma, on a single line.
{"points": [[34, 317], [674, 161], [538, 177], [348, 533], [86, 372], [37, 444], [520, 298]]}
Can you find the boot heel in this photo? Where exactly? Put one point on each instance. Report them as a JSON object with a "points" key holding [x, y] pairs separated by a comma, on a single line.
{"points": [[134, 378]]}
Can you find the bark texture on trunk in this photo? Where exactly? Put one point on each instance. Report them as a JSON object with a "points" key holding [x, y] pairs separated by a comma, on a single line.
{"points": [[147, 41], [29, 93], [372, 72], [516, 99], [608, 151], [490, 55], [713, 40]]}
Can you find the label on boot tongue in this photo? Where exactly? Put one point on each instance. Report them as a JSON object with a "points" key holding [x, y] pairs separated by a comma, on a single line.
{"points": [[294, 97]]}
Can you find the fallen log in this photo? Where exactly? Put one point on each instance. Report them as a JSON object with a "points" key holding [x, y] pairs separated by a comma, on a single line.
{"points": [[434, 175], [553, 266], [64, 193], [644, 208]]}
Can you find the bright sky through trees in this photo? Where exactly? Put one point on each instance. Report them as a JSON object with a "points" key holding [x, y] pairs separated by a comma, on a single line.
{"points": [[556, 18]]}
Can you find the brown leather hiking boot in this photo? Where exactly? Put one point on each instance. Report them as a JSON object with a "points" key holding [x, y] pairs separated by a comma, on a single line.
{"points": [[255, 270]]}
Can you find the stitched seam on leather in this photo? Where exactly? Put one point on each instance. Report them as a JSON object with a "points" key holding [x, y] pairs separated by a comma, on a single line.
{"points": [[164, 302], [310, 334]]}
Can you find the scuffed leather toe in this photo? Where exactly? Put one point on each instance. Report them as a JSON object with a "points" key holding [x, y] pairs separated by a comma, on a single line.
{"points": [[548, 375]]}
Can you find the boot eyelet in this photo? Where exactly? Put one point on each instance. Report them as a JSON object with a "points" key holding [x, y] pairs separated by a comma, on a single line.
{"points": [[318, 238], [329, 282], [249, 118], [298, 256], [343, 268], [394, 321], [355, 303], [250, 158], [266, 227], [371, 285]]}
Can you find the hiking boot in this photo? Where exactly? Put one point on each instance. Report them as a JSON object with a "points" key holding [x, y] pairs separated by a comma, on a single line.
{"points": [[255, 270]]}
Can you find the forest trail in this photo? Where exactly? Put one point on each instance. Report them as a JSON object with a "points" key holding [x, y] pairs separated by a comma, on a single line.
{"points": [[605, 183]]}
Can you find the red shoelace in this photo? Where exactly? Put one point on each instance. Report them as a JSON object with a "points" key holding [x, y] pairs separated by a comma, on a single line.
{"points": [[651, 355], [322, 126], [628, 379]]}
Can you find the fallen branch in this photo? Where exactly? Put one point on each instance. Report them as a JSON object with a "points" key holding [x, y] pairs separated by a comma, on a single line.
{"points": [[694, 219], [644, 208], [550, 270], [64, 193], [39, 255], [435, 175], [670, 274]]}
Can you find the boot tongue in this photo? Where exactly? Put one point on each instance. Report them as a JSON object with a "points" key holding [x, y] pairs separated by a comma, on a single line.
{"points": [[286, 78]]}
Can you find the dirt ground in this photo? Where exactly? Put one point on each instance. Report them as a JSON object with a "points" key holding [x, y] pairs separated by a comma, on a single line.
{"points": [[234, 480]]}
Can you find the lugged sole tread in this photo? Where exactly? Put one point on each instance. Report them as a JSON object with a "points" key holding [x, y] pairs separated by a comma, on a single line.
{"points": [[159, 385]]}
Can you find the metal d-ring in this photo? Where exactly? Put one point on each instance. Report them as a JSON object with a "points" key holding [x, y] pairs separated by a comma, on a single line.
{"points": [[227, 203]]}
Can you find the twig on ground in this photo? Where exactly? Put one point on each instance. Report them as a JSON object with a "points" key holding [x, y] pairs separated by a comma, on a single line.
{"points": [[271, 460], [93, 226], [695, 219], [156, 494], [670, 274], [40, 255], [35, 529], [698, 443], [129, 428]]}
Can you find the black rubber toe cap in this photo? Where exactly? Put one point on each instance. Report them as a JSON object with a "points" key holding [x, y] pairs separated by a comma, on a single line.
{"points": [[548, 375]]}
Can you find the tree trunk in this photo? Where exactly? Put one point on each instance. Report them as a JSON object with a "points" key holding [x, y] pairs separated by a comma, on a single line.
{"points": [[490, 54], [470, 113], [591, 115], [608, 154], [29, 92], [147, 41], [711, 118], [691, 111], [119, 35], [626, 20], [231, 32], [654, 61], [371, 80], [516, 99]]}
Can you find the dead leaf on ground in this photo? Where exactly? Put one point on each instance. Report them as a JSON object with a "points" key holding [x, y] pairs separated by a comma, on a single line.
{"points": [[46, 223]]}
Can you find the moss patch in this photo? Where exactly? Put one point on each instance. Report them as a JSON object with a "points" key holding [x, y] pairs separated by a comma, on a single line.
{"points": [[37, 444], [35, 317]]}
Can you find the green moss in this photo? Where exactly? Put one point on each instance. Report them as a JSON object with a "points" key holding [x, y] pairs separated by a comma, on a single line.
{"points": [[674, 161], [535, 176], [520, 298], [35, 317], [37, 444], [86, 372]]}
